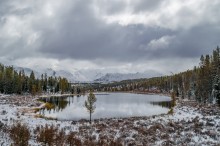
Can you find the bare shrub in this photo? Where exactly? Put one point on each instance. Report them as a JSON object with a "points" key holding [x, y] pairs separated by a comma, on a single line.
{"points": [[60, 138], [20, 134], [115, 143], [47, 135], [72, 140], [90, 142]]}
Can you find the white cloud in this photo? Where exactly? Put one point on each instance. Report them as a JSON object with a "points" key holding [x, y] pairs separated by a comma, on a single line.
{"points": [[161, 43]]}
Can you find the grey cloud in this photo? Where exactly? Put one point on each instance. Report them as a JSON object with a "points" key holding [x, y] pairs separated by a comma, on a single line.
{"points": [[4, 7], [111, 7], [198, 40], [147, 5], [9, 7], [97, 41], [76, 32], [88, 37], [118, 6], [83, 36], [190, 44]]}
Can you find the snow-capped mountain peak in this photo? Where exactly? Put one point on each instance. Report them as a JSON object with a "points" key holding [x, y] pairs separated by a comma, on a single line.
{"points": [[111, 77], [88, 75]]}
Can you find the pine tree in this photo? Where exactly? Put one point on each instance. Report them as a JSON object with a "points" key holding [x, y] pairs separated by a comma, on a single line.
{"points": [[31, 83], [89, 104], [204, 87], [1, 78]]}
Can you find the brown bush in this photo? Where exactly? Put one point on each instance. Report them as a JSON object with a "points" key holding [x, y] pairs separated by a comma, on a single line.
{"points": [[20, 134], [47, 135], [116, 143], [72, 140], [90, 142], [60, 138]]}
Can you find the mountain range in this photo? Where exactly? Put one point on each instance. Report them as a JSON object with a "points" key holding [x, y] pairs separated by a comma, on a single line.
{"points": [[89, 75]]}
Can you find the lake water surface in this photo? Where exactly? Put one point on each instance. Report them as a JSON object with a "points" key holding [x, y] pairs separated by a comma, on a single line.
{"points": [[108, 105]]}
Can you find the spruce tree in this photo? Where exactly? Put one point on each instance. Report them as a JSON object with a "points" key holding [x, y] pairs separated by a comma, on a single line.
{"points": [[89, 104]]}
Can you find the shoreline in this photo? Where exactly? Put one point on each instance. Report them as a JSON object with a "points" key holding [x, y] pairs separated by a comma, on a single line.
{"points": [[57, 95], [134, 92]]}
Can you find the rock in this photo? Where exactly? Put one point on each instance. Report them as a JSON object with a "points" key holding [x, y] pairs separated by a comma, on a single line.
{"points": [[196, 119], [156, 127], [1, 125], [142, 124], [200, 124], [180, 126], [130, 142], [187, 128], [188, 140], [172, 124], [120, 120], [189, 135], [210, 124], [3, 112], [164, 136], [134, 136], [168, 142], [93, 137], [5, 119], [212, 133], [98, 130], [125, 135], [197, 130], [73, 122], [170, 129]]}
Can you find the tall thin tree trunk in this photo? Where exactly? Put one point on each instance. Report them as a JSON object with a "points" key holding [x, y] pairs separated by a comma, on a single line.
{"points": [[90, 117]]}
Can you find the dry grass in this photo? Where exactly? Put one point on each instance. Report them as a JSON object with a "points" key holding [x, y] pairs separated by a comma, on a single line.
{"points": [[20, 134], [47, 135], [49, 106]]}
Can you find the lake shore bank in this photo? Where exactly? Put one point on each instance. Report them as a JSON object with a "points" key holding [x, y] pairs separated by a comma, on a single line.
{"points": [[189, 124]]}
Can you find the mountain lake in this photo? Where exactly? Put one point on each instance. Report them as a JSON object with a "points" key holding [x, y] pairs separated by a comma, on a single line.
{"points": [[108, 105]]}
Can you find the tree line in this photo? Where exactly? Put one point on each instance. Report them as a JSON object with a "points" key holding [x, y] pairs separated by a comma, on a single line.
{"points": [[201, 83], [12, 81]]}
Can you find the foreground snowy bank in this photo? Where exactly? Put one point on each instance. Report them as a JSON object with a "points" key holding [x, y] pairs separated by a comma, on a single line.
{"points": [[190, 124]]}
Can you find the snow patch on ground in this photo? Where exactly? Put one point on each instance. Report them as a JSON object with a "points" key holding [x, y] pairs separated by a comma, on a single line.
{"points": [[190, 124]]}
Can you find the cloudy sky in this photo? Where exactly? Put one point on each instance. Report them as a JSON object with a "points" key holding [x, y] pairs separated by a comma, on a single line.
{"points": [[114, 35]]}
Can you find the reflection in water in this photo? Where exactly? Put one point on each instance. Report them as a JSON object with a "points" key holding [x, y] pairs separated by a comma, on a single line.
{"points": [[218, 101], [166, 104], [59, 103], [107, 106]]}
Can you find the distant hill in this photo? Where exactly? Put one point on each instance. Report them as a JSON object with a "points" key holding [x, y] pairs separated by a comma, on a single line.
{"points": [[112, 77], [89, 75]]}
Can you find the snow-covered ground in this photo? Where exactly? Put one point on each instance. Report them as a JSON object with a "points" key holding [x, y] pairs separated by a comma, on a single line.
{"points": [[190, 124]]}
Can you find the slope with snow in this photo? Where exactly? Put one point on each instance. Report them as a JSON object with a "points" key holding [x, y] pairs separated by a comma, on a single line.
{"points": [[75, 76], [190, 124], [50, 72], [89, 75], [111, 77]]}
